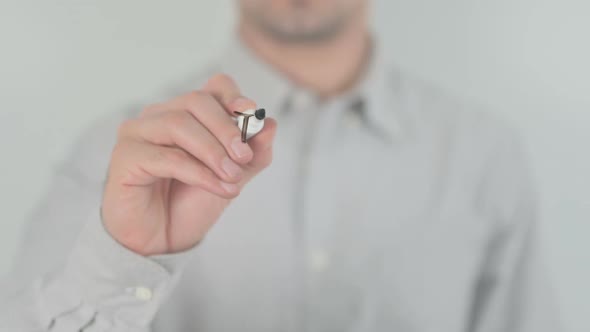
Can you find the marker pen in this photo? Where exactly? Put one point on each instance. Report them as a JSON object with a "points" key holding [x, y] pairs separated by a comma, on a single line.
{"points": [[250, 122]]}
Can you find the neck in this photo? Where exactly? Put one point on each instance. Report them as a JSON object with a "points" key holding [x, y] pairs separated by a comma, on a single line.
{"points": [[328, 67]]}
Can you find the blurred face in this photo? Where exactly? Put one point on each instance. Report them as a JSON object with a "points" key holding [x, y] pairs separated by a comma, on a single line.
{"points": [[301, 20]]}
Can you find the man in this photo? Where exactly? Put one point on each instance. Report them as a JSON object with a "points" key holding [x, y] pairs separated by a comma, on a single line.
{"points": [[380, 204]]}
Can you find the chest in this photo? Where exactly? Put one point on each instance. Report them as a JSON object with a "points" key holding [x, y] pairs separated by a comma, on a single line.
{"points": [[340, 233]]}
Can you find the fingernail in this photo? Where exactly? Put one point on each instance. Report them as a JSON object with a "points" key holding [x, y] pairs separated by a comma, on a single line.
{"points": [[230, 187], [242, 103], [241, 149], [230, 168]]}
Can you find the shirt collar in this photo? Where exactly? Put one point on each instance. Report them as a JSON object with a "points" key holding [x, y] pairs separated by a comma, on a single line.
{"points": [[375, 92]]}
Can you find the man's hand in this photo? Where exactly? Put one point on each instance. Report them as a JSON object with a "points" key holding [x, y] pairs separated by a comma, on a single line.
{"points": [[178, 165]]}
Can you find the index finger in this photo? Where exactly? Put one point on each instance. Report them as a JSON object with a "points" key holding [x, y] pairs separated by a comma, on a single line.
{"points": [[223, 88]]}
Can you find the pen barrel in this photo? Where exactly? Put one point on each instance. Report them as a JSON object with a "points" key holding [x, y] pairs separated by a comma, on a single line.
{"points": [[250, 123]]}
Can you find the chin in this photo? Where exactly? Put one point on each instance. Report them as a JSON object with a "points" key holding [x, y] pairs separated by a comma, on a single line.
{"points": [[300, 20]]}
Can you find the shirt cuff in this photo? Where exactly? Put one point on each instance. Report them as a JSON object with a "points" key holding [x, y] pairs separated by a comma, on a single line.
{"points": [[115, 282]]}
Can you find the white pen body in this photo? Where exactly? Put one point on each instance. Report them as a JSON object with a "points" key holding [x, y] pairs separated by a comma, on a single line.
{"points": [[254, 125]]}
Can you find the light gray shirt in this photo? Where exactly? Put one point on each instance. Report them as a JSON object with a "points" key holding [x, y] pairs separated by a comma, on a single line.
{"points": [[393, 207]]}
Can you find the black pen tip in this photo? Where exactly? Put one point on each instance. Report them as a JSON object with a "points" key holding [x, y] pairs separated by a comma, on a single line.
{"points": [[260, 113]]}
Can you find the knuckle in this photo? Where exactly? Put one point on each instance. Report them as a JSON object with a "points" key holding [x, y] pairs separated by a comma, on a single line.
{"points": [[122, 154], [202, 100], [198, 100], [197, 96], [174, 157], [176, 119], [119, 149], [125, 127], [160, 156], [220, 79], [150, 109]]}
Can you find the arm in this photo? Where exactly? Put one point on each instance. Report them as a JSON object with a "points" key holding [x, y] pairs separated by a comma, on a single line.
{"points": [[70, 272], [97, 259]]}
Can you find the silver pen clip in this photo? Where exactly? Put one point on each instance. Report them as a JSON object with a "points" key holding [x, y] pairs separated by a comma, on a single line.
{"points": [[260, 114]]}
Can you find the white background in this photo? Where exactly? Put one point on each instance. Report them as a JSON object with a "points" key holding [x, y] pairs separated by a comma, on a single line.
{"points": [[63, 63]]}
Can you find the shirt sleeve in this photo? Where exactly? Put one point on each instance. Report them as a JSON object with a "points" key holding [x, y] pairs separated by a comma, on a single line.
{"points": [[101, 286], [513, 292], [70, 274]]}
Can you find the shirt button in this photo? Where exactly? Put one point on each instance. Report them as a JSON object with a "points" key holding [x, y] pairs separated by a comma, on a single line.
{"points": [[143, 293], [319, 260]]}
